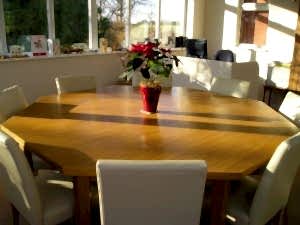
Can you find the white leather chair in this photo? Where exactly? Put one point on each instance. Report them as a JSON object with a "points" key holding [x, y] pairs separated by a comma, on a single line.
{"points": [[46, 199], [70, 83], [150, 192], [290, 107], [230, 87], [12, 100], [257, 202], [249, 71]]}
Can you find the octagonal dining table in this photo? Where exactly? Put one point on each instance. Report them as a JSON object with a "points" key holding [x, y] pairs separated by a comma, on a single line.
{"points": [[72, 131]]}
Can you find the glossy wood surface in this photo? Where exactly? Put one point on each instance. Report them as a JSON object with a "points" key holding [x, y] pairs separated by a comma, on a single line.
{"points": [[234, 136]]}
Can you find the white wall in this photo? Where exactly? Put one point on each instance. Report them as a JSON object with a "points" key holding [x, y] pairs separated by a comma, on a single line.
{"points": [[36, 76], [283, 16], [213, 27], [221, 22], [222, 26], [198, 19]]}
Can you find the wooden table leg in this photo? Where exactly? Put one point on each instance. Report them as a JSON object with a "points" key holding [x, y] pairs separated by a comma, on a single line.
{"points": [[28, 156], [82, 200], [219, 198]]}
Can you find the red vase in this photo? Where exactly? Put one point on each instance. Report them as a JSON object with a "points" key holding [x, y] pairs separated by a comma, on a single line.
{"points": [[150, 96]]}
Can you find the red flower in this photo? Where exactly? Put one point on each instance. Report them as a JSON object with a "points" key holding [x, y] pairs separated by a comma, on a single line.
{"points": [[138, 48], [148, 57], [145, 49]]}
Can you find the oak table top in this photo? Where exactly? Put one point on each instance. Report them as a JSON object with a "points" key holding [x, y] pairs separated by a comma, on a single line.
{"points": [[234, 136]]}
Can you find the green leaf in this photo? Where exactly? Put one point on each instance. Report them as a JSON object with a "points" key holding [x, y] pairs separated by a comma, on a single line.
{"points": [[159, 68], [127, 75]]}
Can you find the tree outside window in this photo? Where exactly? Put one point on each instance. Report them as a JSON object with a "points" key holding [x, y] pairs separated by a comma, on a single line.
{"points": [[29, 17], [111, 21], [71, 21], [142, 24], [172, 21], [22, 18]]}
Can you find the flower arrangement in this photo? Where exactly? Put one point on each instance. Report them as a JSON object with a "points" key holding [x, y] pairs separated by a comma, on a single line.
{"points": [[151, 60]]}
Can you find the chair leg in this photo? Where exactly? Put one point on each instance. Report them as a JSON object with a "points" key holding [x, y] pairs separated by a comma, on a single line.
{"points": [[28, 156], [16, 215], [276, 219], [285, 217], [280, 218]]}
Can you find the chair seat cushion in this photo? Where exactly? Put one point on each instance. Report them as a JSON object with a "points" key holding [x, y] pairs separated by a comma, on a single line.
{"points": [[57, 197]]}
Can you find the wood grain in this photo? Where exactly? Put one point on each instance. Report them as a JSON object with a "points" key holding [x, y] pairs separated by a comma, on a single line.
{"points": [[234, 136], [72, 131]]}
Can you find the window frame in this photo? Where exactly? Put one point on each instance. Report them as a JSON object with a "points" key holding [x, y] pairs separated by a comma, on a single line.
{"points": [[3, 43], [251, 7], [93, 29]]}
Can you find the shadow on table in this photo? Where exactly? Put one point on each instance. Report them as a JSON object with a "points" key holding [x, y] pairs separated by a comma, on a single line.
{"points": [[62, 111], [220, 116]]}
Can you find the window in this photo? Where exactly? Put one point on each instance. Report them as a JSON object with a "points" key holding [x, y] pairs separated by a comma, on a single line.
{"points": [[23, 18], [142, 24], [254, 22], [111, 22], [172, 20], [71, 21], [83, 21]]}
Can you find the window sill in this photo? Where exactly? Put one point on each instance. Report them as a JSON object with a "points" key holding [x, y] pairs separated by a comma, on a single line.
{"points": [[62, 56], [87, 54]]}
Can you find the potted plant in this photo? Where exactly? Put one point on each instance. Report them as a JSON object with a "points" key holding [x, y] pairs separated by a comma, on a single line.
{"points": [[153, 62]]}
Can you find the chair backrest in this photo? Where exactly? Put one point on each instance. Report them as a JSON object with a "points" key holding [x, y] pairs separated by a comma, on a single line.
{"points": [[245, 71], [17, 181], [249, 71], [224, 55], [69, 83], [290, 107], [150, 192], [274, 188], [196, 48], [230, 87], [12, 100]]}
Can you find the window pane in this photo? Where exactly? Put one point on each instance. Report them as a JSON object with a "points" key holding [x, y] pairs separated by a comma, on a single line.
{"points": [[24, 18], [172, 19], [142, 20], [254, 23], [71, 21], [254, 27], [261, 25], [111, 22]]}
